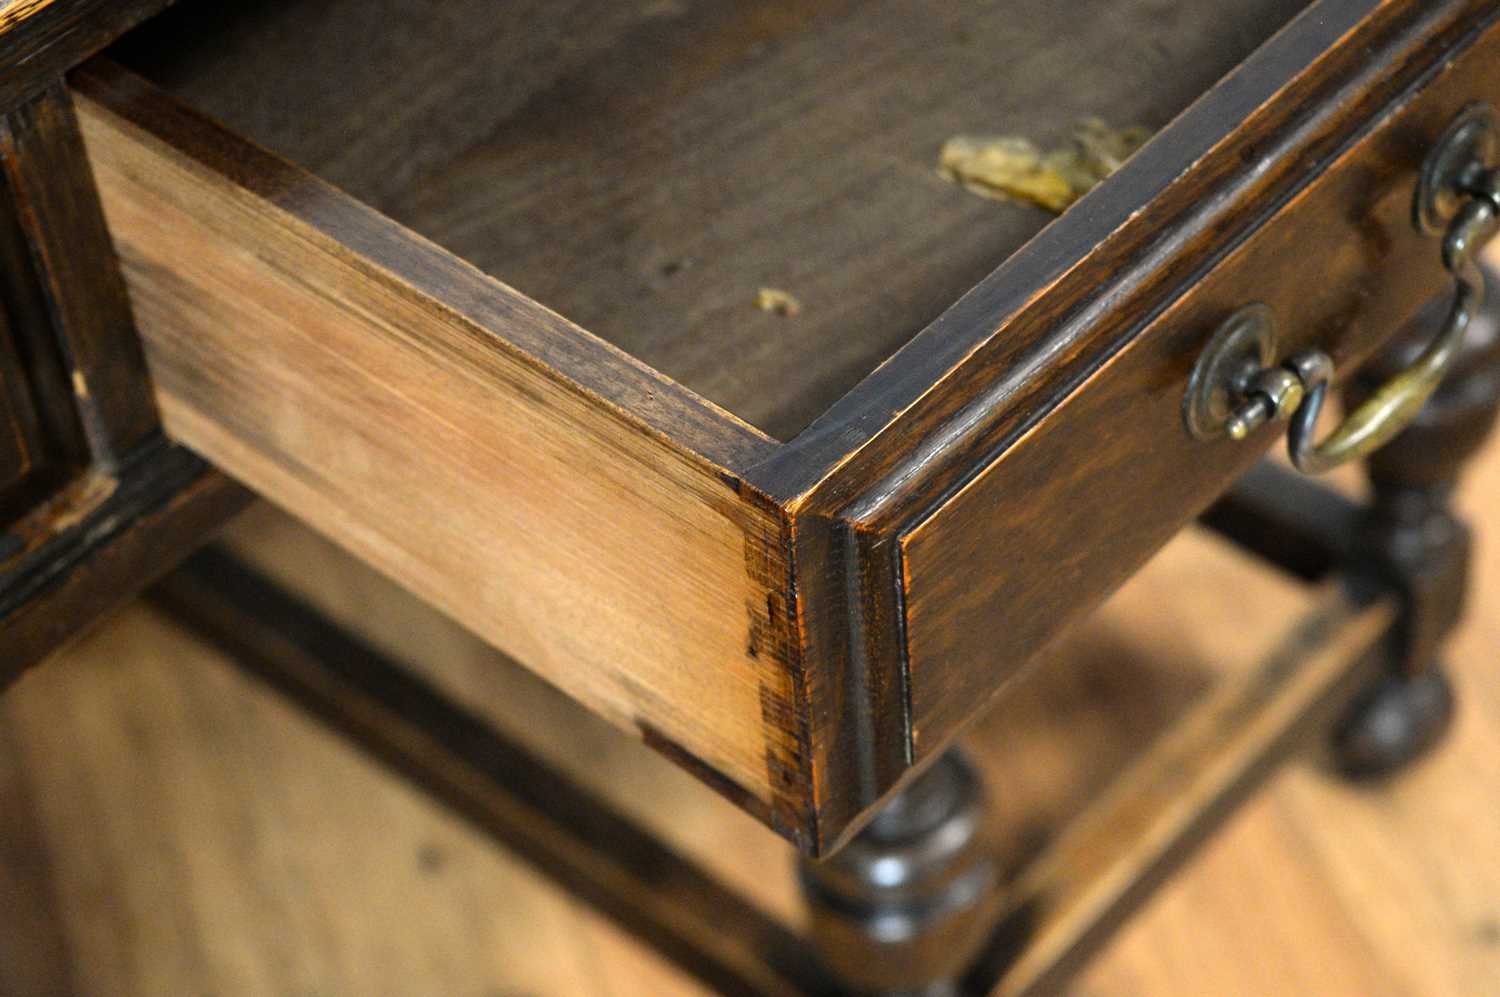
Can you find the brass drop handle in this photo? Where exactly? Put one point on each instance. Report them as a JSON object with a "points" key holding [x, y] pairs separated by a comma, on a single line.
{"points": [[1236, 387], [1391, 407]]}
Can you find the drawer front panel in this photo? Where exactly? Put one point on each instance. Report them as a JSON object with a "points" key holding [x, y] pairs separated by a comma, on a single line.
{"points": [[1069, 510]]}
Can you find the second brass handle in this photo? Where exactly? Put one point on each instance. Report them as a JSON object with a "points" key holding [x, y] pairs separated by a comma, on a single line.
{"points": [[1391, 407], [1237, 387]]}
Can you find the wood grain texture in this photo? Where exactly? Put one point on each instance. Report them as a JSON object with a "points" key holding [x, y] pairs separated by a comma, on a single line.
{"points": [[647, 179], [528, 479], [52, 237], [1066, 903], [1064, 484], [48, 175], [1087, 283], [260, 908], [994, 370], [95, 544], [568, 834], [18, 12], [1389, 885], [1374, 270], [40, 40], [1077, 892], [986, 487], [645, 786]]}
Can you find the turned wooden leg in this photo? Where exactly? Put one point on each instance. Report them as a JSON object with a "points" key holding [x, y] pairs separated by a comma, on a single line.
{"points": [[904, 907], [1411, 538]]}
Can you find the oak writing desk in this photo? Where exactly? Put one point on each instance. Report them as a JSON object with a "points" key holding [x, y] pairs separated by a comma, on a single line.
{"points": [[490, 325]]}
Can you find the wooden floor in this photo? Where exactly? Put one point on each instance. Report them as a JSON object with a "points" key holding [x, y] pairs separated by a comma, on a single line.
{"points": [[167, 827]]}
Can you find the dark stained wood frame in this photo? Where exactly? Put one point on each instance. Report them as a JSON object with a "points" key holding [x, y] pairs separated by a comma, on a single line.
{"points": [[99, 503], [79, 285], [999, 475], [40, 40], [155, 510]]}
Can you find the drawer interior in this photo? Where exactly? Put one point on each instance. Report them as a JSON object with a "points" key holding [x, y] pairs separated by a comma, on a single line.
{"points": [[647, 168]]}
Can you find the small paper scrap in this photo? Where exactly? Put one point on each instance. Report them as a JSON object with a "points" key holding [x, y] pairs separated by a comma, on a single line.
{"points": [[769, 299], [1011, 168]]}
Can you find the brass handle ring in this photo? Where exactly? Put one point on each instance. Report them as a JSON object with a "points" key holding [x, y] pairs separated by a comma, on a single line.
{"points": [[1395, 403], [1237, 387]]}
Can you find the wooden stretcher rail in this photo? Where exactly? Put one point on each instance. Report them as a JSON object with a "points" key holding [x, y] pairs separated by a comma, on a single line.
{"points": [[1109, 861], [503, 790], [1050, 919]]}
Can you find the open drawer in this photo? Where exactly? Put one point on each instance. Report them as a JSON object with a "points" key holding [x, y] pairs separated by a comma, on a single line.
{"points": [[796, 552]]}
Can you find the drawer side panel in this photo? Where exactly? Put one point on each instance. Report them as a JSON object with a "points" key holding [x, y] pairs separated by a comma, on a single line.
{"points": [[625, 568]]}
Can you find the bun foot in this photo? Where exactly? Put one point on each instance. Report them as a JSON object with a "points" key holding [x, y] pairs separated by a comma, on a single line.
{"points": [[1398, 720], [904, 907]]}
